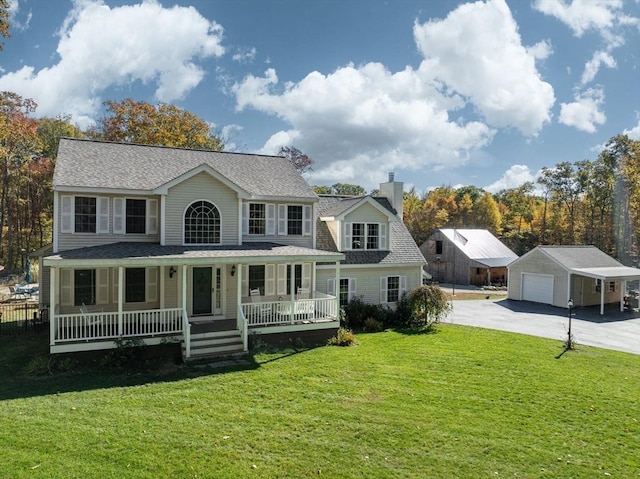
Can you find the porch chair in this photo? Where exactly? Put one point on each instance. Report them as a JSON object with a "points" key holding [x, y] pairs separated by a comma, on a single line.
{"points": [[259, 308], [91, 322], [305, 309], [15, 294]]}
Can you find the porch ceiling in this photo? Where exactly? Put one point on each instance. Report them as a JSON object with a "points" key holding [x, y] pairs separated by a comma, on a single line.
{"points": [[154, 254]]}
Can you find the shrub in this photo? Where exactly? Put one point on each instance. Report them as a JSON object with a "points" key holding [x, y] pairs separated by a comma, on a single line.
{"points": [[429, 304], [127, 352], [48, 364], [344, 337], [373, 325]]}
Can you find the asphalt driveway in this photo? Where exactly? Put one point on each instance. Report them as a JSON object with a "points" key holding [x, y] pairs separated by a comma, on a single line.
{"points": [[613, 330]]}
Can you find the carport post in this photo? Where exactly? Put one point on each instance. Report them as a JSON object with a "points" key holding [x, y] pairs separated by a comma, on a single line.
{"points": [[570, 306]]}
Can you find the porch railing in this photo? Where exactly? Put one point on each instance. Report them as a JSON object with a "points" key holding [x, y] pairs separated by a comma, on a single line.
{"points": [[186, 333], [110, 325], [322, 307]]}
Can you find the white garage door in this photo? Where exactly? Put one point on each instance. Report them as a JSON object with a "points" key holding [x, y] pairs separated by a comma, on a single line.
{"points": [[537, 288]]}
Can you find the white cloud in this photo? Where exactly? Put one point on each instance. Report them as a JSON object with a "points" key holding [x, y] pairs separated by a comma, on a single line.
{"points": [[477, 52], [101, 46], [364, 120], [584, 113], [583, 15], [634, 132], [359, 121], [515, 176], [541, 50], [245, 55], [593, 65]]}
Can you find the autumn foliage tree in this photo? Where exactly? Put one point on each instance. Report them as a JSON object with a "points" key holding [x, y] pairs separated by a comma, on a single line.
{"points": [[301, 161], [19, 148], [130, 121], [4, 20]]}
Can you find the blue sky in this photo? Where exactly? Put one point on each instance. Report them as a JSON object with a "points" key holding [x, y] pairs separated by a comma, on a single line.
{"points": [[442, 92]]}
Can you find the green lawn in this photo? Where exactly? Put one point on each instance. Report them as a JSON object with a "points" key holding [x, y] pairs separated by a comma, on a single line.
{"points": [[462, 402]]}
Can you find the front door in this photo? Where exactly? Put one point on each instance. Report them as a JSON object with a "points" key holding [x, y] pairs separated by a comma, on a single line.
{"points": [[202, 290]]}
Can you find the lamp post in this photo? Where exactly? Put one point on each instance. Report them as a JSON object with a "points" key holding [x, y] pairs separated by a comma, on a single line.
{"points": [[570, 306]]}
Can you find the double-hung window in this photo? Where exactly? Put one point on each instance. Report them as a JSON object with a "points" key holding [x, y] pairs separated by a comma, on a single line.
{"points": [[136, 211], [294, 220], [84, 283], [85, 214], [134, 285], [365, 236], [392, 288], [257, 278], [346, 289], [257, 219]]}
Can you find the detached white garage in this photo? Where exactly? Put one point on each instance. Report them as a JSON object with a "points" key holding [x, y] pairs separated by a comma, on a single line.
{"points": [[537, 288], [555, 274]]}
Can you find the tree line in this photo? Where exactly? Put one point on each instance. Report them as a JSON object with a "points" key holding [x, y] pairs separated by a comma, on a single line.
{"points": [[588, 202]]}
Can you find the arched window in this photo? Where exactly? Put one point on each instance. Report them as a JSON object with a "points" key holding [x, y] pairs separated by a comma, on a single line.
{"points": [[202, 223]]}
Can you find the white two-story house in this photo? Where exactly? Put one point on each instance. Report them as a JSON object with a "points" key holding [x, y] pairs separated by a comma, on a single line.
{"points": [[206, 248]]}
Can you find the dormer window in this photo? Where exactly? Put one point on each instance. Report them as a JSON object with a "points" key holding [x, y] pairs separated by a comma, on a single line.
{"points": [[365, 236]]}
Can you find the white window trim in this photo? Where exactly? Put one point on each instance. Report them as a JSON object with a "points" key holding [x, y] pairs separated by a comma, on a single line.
{"points": [[382, 236], [384, 287]]}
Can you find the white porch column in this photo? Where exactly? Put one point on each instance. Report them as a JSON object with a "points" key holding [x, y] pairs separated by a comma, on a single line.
{"points": [[120, 299], [162, 283], [623, 290], [238, 295], [602, 286], [569, 288], [183, 269], [53, 295], [337, 290]]}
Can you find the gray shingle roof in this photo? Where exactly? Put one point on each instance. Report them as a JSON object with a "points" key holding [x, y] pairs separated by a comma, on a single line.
{"points": [[580, 256], [403, 247], [104, 165]]}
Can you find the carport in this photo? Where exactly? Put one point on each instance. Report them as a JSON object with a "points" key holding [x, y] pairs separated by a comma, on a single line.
{"points": [[606, 276]]}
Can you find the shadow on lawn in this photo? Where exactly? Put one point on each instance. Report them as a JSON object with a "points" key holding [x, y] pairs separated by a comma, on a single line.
{"points": [[17, 380]]}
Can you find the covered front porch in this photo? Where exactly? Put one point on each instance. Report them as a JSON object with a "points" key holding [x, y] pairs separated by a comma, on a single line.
{"points": [[181, 288]]}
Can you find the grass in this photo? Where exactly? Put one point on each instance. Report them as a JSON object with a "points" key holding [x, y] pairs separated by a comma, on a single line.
{"points": [[463, 402]]}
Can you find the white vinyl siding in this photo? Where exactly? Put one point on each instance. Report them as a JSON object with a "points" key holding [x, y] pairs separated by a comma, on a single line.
{"points": [[201, 187]]}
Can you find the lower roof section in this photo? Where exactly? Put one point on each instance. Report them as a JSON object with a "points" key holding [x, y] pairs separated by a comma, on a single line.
{"points": [[154, 254]]}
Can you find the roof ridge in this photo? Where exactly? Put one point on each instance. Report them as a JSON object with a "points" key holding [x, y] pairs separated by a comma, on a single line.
{"points": [[122, 143]]}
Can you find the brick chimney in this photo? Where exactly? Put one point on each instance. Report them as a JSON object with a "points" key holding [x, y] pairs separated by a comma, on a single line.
{"points": [[392, 190]]}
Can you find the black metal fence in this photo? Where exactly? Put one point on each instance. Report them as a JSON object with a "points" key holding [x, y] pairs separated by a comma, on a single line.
{"points": [[21, 317]]}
